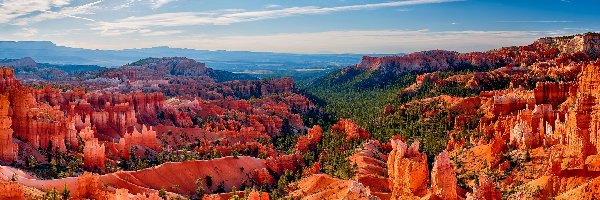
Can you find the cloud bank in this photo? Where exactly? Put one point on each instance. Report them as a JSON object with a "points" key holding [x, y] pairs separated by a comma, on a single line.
{"points": [[135, 24]]}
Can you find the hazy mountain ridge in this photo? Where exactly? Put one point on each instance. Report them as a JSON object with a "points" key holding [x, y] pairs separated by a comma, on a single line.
{"points": [[46, 51]]}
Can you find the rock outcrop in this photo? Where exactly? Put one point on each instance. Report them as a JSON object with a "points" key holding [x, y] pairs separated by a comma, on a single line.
{"points": [[321, 186], [8, 149], [351, 129], [8, 80], [11, 190], [485, 190], [588, 43], [443, 177], [407, 170], [94, 156], [310, 140]]}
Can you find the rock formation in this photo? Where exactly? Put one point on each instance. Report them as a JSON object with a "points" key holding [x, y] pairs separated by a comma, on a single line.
{"points": [[94, 157], [11, 191], [407, 170], [443, 177], [145, 138], [8, 149], [321, 186], [311, 139], [588, 43], [7, 79], [254, 195], [351, 129], [485, 190]]}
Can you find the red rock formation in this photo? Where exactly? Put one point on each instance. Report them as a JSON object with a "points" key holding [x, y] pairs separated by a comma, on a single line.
{"points": [[485, 190], [310, 140], [8, 150], [146, 138], [94, 156], [254, 195], [350, 129], [407, 170], [588, 43], [372, 168], [443, 177], [8, 80], [280, 164], [89, 186], [87, 133], [263, 176], [552, 93], [507, 103], [123, 194], [227, 170], [21, 100], [322, 186], [12, 191], [71, 134]]}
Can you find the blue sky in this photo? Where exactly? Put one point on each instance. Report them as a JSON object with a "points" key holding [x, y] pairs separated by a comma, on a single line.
{"points": [[299, 26]]}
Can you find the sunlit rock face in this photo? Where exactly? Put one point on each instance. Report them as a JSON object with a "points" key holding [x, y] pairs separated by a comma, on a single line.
{"points": [[588, 43], [94, 157], [311, 139], [351, 129], [407, 170], [443, 177], [11, 190]]}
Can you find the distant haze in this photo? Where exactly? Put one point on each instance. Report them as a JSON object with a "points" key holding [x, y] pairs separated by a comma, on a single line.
{"points": [[299, 26], [236, 61]]}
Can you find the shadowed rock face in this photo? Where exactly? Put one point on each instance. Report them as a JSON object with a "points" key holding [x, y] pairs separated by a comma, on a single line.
{"points": [[8, 150]]}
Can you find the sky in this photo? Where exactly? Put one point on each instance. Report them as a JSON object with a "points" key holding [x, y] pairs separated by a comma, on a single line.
{"points": [[296, 26]]}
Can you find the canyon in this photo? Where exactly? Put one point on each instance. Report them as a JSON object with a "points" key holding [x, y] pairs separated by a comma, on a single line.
{"points": [[524, 123]]}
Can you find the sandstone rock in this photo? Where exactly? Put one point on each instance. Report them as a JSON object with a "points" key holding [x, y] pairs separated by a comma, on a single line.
{"points": [[8, 80], [11, 190], [408, 172], [322, 186], [146, 138], [552, 93], [357, 190], [351, 129], [310, 140], [89, 186], [443, 177], [588, 43], [254, 195], [263, 176], [94, 157], [8, 149], [485, 190]]}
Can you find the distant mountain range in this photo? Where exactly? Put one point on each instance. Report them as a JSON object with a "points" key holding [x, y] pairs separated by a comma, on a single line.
{"points": [[234, 61]]}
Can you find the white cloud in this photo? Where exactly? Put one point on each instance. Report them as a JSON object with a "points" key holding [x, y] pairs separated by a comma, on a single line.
{"points": [[273, 6], [134, 24], [27, 32], [13, 9], [160, 3], [42, 13], [160, 33]]}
